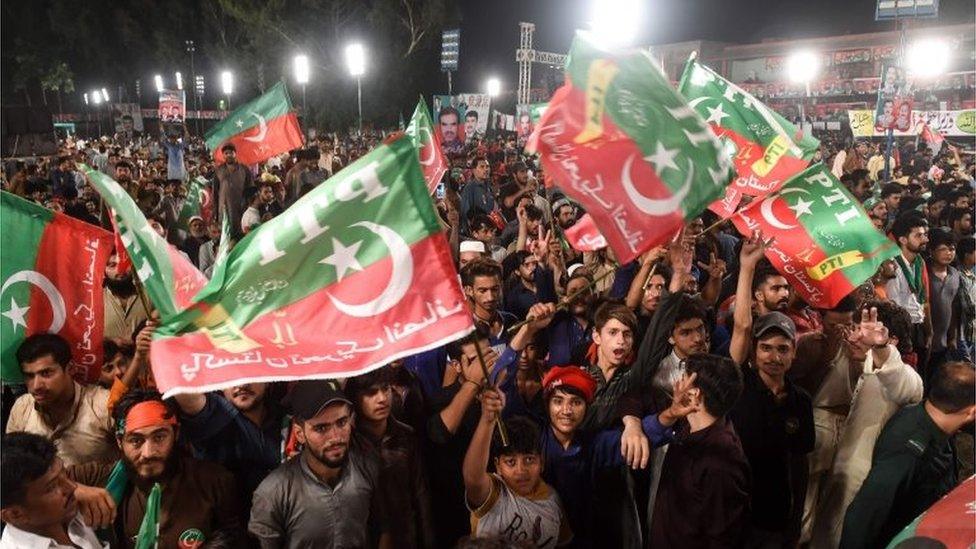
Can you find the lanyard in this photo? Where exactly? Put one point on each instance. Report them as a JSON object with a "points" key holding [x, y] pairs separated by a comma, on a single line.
{"points": [[914, 278]]}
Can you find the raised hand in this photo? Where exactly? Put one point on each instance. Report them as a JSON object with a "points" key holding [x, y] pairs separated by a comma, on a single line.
{"points": [[870, 332], [754, 248], [492, 404], [540, 315], [715, 267], [683, 401]]}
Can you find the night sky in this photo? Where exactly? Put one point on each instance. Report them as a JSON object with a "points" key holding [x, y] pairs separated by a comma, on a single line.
{"points": [[489, 29]]}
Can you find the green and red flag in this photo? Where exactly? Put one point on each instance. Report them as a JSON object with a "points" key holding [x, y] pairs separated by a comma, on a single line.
{"points": [[170, 279], [259, 129], [948, 523], [764, 147], [199, 202], [618, 139], [52, 268], [825, 243], [353, 275], [583, 236], [148, 536], [421, 129]]}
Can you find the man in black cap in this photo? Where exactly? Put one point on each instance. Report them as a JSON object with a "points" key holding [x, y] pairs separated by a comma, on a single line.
{"points": [[330, 494]]}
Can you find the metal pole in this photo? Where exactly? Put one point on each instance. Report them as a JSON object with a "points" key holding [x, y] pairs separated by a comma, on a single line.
{"points": [[359, 96], [450, 90], [304, 106]]}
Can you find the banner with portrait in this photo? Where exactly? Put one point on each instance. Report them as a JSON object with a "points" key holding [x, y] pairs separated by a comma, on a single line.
{"points": [[128, 119], [172, 106], [959, 123], [460, 118], [895, 100]]}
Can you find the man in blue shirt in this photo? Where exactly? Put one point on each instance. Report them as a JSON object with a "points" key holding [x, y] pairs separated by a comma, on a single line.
{"points": [[175, 167], [477, 195]]}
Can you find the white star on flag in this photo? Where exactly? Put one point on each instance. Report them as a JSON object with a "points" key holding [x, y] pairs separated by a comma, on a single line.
{"points": [[240, 123], [801, 207], [716, 115], [343, 258], [662, 158], [16, 314]]}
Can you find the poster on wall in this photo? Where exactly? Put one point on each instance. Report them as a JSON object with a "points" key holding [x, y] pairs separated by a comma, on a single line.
{"points": [[172, 106], [958, 123], [895, 100], [461, 118]]}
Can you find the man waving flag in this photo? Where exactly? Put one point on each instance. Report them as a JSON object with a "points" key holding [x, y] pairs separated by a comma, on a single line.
{"points": [[619, 140], [264, 127]]}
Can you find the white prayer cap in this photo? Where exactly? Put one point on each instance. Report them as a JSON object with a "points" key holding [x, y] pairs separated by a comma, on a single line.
{"points": [[473, 246]]}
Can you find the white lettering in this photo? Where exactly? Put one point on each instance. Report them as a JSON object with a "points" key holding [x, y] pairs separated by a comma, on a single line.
{"points": [[369, 184]]}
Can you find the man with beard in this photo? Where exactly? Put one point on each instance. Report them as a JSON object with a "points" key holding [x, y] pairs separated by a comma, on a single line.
{"points": [[770, 290], [209, 249], [197, 238], [72, 415], [232, 179], [530, 283], [521, 185], [331, 494], [199, 501], [123, 308], [774, 421], [448, 124], [241, 428], [38, 504], [123, 175], [910, 286]]}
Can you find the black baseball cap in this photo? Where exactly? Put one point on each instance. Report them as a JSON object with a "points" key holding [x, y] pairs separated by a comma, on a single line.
{"points": [[308, 398], [774, 321]]}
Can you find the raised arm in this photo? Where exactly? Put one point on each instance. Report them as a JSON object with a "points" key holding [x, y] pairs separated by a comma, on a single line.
{"points": [[636, 292], [477, 481], [753, 249]]}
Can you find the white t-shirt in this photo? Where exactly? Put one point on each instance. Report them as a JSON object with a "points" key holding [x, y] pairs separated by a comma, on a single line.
{"points": [[537, 519], [80, 535], [250, 219]]}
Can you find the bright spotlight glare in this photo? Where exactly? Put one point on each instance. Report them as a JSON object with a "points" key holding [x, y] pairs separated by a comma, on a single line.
{"points": [[356, 59], [179, 80], [928, 57], [227, 82], [614, 23], [301, 69], [802, 67], [159, 83], [105, 95], [494, 87]]}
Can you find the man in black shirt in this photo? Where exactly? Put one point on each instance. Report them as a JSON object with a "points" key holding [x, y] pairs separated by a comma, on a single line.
{"points": [[774, 420]]}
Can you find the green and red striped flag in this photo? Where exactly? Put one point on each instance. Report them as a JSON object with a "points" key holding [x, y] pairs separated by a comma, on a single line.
{"points": [[825, 243], [432, 160], [259, 129], [52, 267], [948, 523], [170, 279], [355, 274], [618, 139], [765, 149], [199, 201]]}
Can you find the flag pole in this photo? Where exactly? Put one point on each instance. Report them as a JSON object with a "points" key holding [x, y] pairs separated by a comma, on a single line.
{"points": [[502, 432], [687, 70], [564, 302], [141, 292]]}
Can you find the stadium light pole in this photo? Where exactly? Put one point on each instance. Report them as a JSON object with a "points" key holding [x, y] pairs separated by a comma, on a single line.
{"points": [[158, 79], [97, 100], [356, 60], [227, 85], [301, 76], [801, 68]]}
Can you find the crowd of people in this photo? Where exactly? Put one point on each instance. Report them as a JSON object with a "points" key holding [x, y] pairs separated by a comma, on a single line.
{"points": [[687, 399]]}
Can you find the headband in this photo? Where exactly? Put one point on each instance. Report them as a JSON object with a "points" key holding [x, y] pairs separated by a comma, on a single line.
{"points": [[146, 414]]}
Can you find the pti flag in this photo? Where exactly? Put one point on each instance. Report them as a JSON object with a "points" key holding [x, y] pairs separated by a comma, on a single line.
{"points": [[765, 149], [169, 277], [619, 140], [825, 243], [583, 236], [148, 536], [52, 269], [933, 138], [199, 202], [260, 129], [429, 150], [353, 275]]}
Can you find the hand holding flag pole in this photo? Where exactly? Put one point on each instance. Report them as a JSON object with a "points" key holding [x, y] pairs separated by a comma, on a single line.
{"points": [[564, 302], [502, 432]]}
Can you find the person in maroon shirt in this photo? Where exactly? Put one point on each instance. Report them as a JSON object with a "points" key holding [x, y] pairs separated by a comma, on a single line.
{"points": [[703, 497]]}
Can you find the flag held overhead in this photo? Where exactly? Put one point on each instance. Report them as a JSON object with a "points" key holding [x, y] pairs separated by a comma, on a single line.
{"points": [[262, 128]]}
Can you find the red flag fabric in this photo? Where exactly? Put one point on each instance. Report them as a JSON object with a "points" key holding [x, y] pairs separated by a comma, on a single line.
{"points": [[124, 263], [429, 151], [583, 236], [259, 129]]}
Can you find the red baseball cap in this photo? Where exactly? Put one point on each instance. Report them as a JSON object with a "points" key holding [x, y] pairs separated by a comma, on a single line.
{"points": [[573, 376]]}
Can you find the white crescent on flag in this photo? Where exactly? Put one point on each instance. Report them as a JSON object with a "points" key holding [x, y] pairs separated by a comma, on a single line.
{"points": [[59, 314], [262, 129], [400, 277]]}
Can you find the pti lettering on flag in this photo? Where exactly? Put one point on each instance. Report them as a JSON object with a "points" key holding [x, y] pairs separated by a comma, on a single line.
{"points": [[764, 147], [52, 271], [825, 244], [262, 128], [355, 274], [619, 140]]}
